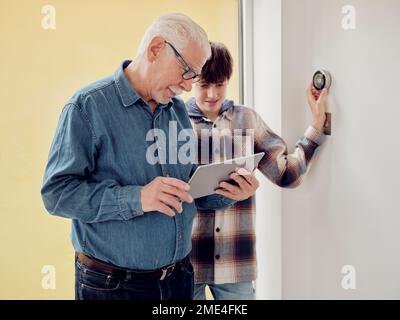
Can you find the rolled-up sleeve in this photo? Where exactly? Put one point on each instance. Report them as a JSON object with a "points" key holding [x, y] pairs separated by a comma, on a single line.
{"points": [[68, 187], [285, 169]]}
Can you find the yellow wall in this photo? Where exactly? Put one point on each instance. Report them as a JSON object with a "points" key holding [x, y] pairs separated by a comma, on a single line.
{"points": [[39, 71]]}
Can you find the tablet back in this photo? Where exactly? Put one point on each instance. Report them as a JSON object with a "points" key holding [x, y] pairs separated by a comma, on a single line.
{"points": [[207, 177]]}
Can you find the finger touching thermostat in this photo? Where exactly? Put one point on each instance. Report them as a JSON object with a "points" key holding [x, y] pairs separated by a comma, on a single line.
{"points": [[322, 80]]}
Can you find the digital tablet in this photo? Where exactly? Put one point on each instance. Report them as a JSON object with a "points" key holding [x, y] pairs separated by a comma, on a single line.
{"points": [[207, 177]]}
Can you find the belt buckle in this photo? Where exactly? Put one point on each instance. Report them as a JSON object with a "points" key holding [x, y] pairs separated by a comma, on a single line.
{"points": [[165, 271]]}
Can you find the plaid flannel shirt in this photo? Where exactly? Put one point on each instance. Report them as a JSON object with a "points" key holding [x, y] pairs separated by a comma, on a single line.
{"points": [[223, 242]]}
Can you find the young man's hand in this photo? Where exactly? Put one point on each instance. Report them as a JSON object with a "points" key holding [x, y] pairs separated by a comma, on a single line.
{"points": [[317, 103], [247, 186]]}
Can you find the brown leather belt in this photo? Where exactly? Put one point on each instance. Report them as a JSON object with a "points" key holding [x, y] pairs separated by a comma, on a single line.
{"points": [[126, 274]]}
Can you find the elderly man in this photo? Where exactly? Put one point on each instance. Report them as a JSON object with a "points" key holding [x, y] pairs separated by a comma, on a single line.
{"points": [[132, 217]]}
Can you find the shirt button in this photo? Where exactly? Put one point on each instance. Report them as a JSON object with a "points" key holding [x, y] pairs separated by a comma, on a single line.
{"points": [[214, 126], [218, 229], [217, 256]]}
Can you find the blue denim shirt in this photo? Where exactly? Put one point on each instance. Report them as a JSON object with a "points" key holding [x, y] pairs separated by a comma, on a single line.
{"points": [[97, 166]]}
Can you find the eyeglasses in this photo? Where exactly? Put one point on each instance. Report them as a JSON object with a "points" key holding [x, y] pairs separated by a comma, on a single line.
{"points": [[188, 74]]}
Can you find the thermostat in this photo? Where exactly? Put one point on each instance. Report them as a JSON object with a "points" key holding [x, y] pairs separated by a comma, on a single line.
{"points": [[322, 79]]}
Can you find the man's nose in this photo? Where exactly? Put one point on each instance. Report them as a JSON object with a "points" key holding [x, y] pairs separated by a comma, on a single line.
{"points": [[187, 85], [212, 93]]}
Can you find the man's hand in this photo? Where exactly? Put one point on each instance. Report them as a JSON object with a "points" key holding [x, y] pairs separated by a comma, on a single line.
{"points": [[317, 102], [248, 184], [163, 193]]}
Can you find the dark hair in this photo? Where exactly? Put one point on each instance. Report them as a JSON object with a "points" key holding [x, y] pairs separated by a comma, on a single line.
{"points": [[219, 67]]}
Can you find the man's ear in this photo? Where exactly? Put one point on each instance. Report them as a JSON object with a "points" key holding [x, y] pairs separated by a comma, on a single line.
{"points": [[155, 47]]}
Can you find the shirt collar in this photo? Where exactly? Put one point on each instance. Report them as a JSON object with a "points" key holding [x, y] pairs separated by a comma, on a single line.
{"points": [[194, 110], [128, 95]]}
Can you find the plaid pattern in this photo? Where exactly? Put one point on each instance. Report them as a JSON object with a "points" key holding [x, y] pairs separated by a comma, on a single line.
{"points": [[223, 242]]}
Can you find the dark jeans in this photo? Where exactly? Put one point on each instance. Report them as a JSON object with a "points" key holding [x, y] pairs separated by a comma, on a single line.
{"points": [[94, 285]]}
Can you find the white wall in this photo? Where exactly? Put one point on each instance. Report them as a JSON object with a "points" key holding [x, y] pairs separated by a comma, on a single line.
{"points": [[267, 102], [345, 213], [348, 210]]}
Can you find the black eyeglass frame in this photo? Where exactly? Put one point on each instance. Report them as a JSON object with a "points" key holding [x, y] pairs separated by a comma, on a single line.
{"points": [[189, 73]]}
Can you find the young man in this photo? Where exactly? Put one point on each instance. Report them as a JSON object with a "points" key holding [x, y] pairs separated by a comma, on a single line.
{"points": [[223, 241]]}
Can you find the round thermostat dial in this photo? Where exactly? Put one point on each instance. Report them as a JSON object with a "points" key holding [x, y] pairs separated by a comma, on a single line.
{"points": [[322, 79]]}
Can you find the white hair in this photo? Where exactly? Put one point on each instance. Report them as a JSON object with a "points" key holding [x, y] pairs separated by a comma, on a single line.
{"points": [[177, 29]]}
